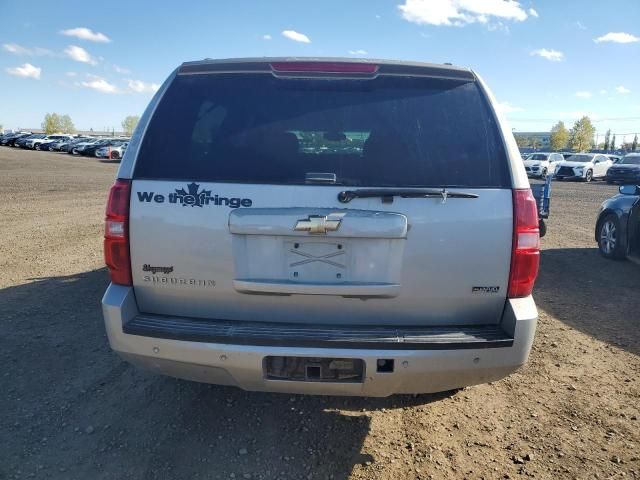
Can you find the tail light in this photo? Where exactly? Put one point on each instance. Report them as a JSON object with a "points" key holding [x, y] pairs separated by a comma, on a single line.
{"points": [[525, 255], [116, 233]]}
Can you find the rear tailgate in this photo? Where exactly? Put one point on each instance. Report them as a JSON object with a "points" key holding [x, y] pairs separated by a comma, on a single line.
{"points": [[235, 210]]}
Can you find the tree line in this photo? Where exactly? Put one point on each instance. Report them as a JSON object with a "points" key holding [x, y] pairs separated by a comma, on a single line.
{"points": [[56, 123], [579, 138]]}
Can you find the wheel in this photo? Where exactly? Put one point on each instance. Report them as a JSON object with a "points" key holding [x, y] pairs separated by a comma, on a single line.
{"points": [[115, 155], [544, 173], [37, 147], [588, 176], [609, 242], [543, 227]]}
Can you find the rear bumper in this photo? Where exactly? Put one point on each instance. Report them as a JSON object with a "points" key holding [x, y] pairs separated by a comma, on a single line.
{"points": [[432, 364]]}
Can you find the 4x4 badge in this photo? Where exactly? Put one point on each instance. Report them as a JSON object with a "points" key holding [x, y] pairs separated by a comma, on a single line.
{"points": [[319, 223]]}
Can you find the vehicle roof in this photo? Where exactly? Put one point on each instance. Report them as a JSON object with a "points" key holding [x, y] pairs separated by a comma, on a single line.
{"points": [[263, 65]]}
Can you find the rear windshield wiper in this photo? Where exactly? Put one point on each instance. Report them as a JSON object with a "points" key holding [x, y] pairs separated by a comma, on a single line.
{"points": [[387, 194]]}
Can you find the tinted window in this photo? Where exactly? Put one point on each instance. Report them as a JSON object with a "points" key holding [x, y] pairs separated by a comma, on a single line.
{"points": [[387, 132], [538, 156]]}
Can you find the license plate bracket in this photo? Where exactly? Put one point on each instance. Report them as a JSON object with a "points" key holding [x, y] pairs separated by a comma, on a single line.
{"points": [[313, 261]]}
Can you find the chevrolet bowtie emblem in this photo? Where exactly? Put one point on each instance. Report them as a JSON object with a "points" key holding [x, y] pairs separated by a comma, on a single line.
{"points": [[319, 223]]}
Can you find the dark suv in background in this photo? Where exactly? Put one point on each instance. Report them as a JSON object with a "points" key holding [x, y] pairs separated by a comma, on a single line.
{"points": [[627, 170]]}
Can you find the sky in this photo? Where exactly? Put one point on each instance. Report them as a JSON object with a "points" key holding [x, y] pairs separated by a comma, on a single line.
{"points": [[544, 60]]}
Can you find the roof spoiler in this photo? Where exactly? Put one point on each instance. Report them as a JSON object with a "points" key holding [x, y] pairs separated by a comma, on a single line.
{"points": [[326, 67]]}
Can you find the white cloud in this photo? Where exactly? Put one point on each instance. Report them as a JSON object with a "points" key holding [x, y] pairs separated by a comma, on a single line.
{"points": [[461, 12], [583, 94], [266, 37], [617, 37], [71, 74], [138, 86], [357, 52], [79, 54], [378, 17], [119, 69], [296, 36], [506, 107], [603, 92], [622, 90], [551, 55], [99, 84], [580, 25], [20, 50], [533, 13], [86, 34], [25, 70]]}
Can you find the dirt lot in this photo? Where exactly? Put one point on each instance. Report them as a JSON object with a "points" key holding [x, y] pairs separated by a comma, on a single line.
{"points": [[70, 409]]}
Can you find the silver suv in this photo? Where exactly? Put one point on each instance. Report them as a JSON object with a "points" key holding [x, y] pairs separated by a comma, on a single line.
{"points": [[322, 226]]}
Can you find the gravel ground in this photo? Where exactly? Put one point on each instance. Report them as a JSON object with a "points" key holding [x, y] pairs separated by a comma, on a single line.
{"points": [[70, 409]]}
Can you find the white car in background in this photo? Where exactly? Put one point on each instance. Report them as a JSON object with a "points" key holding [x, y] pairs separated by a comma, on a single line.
{"points": [[35, 143], [114, 151], [583, 166], [541, 163]]}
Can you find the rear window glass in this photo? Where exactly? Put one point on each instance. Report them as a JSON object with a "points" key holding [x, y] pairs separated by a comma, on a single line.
{"points": [[538, 156], [391, 131]]}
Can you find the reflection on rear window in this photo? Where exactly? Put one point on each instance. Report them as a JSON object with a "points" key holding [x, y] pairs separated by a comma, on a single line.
{"points": [[391, 131]]}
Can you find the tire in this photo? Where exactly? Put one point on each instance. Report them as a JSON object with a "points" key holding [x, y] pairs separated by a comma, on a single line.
{"points": [[609, 241], [588, 176], [543, 227], [37, 147], [544, 173], [115, 156]]}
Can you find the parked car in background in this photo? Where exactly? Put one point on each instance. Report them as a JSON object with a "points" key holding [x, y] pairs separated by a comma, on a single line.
{"points": [[47, 145], [618, 225], [615, 158], [25, 142], [583, 166], [627, 170], [35, 144], [113, 151], [10, 140], [79, 147], [90, 150], [67, 146], [541, 164]]}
